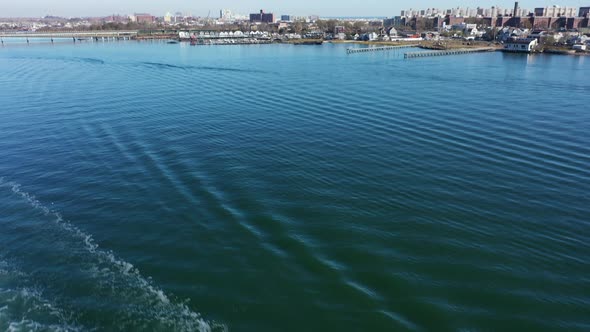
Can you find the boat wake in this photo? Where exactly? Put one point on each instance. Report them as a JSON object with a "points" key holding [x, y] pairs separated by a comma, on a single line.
{"points": [[139, 303], [25, 308]]}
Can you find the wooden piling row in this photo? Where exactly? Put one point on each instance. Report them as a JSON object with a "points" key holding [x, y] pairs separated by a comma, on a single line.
{"points": [[374, 49], [447, 52]]}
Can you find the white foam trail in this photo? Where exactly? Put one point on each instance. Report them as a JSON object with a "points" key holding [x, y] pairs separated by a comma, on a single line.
{"points": [[26, 325], [166, 311], [19, 307], [30, 302]]}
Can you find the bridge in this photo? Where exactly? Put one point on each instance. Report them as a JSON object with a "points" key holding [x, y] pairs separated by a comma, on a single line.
{"points": [[71, 34]]}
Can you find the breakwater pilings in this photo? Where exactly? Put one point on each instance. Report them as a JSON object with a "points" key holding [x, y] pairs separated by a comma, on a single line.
{"points": [[376, 49], [411, 55]]}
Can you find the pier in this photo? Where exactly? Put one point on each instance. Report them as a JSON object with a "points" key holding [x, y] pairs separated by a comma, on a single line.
{"points": [[411, 55], [375, 49]]}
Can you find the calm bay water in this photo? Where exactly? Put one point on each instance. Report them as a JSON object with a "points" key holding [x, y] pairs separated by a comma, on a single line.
{"points": [[260, 188]]}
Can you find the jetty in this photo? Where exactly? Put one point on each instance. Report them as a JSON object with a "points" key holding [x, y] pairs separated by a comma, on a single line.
{"points": [[376, 49], [411, 55]]}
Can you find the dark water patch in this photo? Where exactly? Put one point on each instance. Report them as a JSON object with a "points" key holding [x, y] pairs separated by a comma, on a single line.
{"points": [[164, 65], [229, 69], [205, 68], [61, 59], [89, 60]]}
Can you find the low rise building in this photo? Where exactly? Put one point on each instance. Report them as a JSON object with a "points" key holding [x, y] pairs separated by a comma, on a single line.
{"points": [[521, 45], [580, 47]]}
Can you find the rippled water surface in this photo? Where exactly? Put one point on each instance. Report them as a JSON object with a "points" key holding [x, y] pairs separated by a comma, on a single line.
{"points": [[146, 186]]}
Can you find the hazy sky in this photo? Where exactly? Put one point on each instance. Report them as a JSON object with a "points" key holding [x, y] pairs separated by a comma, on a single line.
{"points": [[35, 8]]}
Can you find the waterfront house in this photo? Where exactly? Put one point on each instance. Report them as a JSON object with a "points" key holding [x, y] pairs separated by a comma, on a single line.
{"points": [[507, 33], [525, 45], [372, 36], [538, 34], [392, 32], [580, 47]]}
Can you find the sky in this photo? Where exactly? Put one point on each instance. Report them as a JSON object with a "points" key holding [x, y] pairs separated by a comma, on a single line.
{"points": [[388, 8]]}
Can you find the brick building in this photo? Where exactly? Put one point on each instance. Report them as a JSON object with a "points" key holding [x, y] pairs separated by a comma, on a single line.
{"points": [[262, 17], [145, 18]]}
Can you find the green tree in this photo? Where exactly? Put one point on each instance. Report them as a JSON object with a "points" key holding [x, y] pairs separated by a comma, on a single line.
{"points": [[358, 27], [548, 40]]}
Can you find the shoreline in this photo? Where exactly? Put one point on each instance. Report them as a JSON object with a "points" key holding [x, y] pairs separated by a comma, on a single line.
{"points": [[450, 45], [447, 45]]}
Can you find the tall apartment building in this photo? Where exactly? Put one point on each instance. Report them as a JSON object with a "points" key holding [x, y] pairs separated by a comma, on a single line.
{"points": [[262, 17], [556, 11]]}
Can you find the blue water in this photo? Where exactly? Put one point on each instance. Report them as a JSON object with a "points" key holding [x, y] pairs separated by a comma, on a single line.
{"points": [[147, 186]]}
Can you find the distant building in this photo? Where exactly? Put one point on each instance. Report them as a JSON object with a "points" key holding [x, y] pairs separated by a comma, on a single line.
{"points": [[115, 18], [576, 23], [584, 12], [144, 18], [389, 22], [524, 45], [286, 18], [262, 17], [225, 14], [556, 11]]}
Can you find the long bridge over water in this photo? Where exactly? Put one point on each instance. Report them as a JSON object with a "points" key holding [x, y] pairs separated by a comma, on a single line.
{"points": [[71, 34]]}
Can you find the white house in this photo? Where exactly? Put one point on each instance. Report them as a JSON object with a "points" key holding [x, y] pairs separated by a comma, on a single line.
{"points": [[370, 36], [392, 32], [525, 45]]}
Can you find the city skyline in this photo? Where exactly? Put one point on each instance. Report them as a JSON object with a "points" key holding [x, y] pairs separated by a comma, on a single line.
{"points": [[69, 8]]}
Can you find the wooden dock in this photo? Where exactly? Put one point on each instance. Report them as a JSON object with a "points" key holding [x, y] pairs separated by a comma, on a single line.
{"points": [[375, 49], [447, 52]]}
